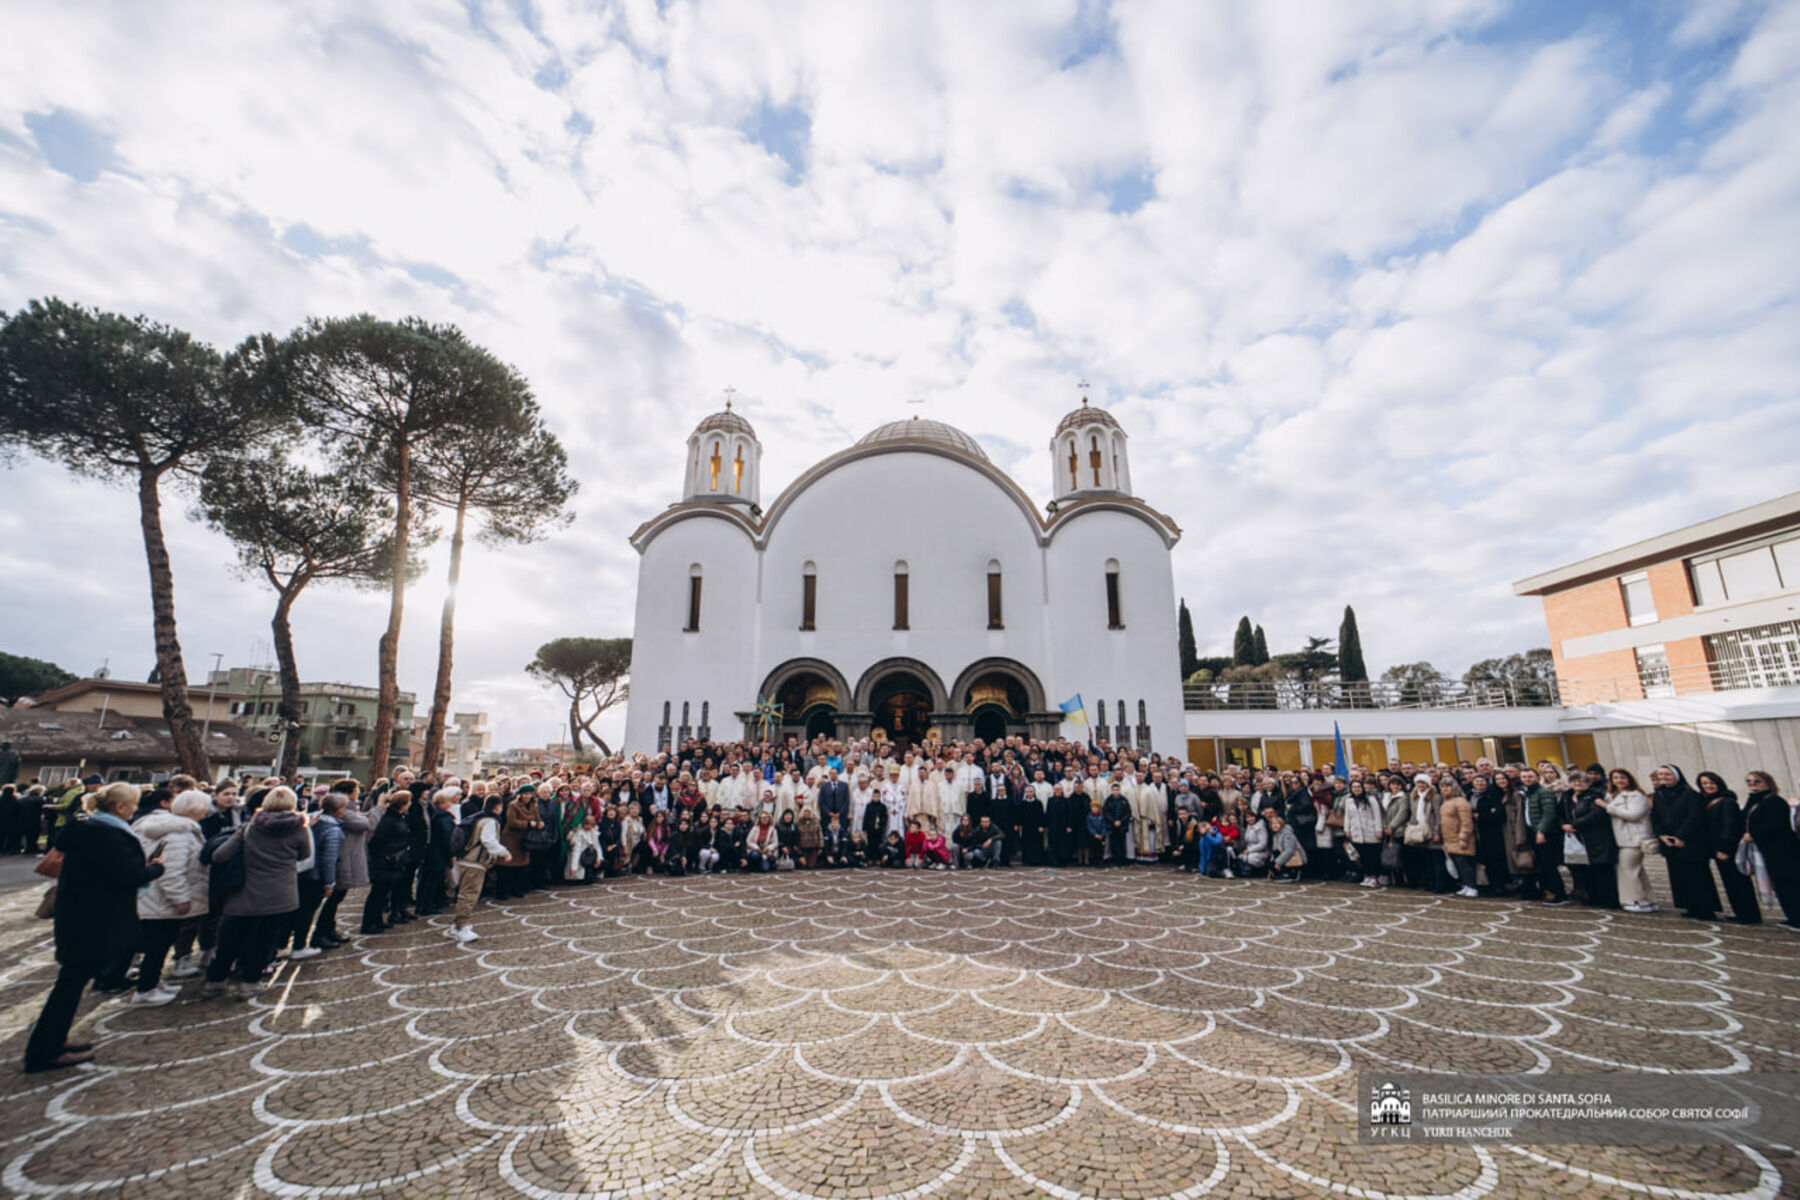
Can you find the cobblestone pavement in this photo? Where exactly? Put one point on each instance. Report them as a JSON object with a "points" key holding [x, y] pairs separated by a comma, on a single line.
{"points": [[1021, 1033]]}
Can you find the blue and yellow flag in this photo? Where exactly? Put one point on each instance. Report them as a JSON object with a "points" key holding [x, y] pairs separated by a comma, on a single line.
{"points": [[1343, 760], [1074, 710]]}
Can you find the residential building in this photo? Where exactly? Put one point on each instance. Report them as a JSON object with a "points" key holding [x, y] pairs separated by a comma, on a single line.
{"points": [[519, 759], [466, 739], [54, 745], [335, 719], [1710, 607], [136, 699]]}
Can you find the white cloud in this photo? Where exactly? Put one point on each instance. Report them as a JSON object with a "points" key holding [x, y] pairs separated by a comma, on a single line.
{"points": [[1419, 299]]}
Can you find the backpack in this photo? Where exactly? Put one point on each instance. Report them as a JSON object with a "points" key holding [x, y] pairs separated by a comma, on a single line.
{"points": [[459, 837], [228, 876]]}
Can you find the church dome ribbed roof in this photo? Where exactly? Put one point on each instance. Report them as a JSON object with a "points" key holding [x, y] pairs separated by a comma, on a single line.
{"points": [[725, 422], [1087, 414], [920, 429]]}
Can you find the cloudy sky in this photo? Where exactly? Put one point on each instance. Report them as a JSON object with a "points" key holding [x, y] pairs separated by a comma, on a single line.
{"points": [[1399, 302]]}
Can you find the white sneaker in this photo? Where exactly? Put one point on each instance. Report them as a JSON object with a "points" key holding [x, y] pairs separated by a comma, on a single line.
{"points": [[1469, 892], [466, 934], [184, 968], [154, 998], [451, 932], [1227, 873], [304, 952]]}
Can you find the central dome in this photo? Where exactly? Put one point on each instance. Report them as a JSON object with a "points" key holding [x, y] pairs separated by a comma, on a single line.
{"points": [[919, 429]]}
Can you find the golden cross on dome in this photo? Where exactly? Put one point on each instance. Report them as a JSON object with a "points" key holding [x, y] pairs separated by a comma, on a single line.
{"points": [[729, 393], [1082, 387]]}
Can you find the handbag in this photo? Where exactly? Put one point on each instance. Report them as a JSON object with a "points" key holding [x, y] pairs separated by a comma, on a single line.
{"points": [[1390, 857], [46, 907], [1417, 835], [50, 866], [1650, 847], [1574, 851]]}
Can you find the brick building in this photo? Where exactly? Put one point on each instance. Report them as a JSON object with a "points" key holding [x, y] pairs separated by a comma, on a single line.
{"points": [[1711, 607]]}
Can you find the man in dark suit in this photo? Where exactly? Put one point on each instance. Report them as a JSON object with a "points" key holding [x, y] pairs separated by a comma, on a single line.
{"points": [[834, 797]]}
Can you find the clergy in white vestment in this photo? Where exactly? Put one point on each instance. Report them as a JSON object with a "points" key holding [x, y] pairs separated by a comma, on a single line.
{"points": [[953, 798]]}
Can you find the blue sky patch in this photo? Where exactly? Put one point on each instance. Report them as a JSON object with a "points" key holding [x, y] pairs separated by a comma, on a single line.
{"points": [[786, 132], [72, 144]]}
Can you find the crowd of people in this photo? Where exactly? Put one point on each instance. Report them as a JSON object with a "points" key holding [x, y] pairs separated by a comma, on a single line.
{"points": [[159, 885]]}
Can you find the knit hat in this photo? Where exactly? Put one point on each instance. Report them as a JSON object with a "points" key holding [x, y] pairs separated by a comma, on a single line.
{"points": [[94, 780], [1421, 777]]}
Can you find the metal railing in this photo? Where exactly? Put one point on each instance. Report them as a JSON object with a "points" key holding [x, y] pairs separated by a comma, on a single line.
{"points": [[1779, 670], [1294, 694], [1775, 670]]}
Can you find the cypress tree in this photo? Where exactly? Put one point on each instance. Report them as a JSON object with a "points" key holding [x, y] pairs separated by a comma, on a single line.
{"points": [[1243, 646], [1350, 656], [1190, 654], [1262, 648]]}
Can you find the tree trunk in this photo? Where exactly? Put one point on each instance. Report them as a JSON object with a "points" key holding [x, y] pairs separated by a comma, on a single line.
{"points": [[287, 709], [171, 671], [388, 653], [575, 726], [440, 697]]}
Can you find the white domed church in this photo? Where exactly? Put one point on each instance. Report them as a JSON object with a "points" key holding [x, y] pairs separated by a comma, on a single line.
{"points": [[905, 586]]}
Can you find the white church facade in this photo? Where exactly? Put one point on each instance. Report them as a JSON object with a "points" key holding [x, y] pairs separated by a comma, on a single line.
{"points": [[905, 584]]}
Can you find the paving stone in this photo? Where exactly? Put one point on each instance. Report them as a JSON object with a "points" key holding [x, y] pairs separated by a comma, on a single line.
{"points": [[888, 1034]]}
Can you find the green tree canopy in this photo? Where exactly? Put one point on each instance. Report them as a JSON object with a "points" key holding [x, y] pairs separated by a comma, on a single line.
{"points": [[1351, 668], [513, 474], [1312, 662], [1261, 645], [1528, 678], [591, 672], [381, 394], [1419, 682], [1184, 639], [129, 400], [1243, 644], [293, 526], [21, 676]]}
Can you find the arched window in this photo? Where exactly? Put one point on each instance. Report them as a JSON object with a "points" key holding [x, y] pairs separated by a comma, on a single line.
{"points": [[993, 593], [809, 596], [1114, 617], [693, 621], [902, 617], [716, 462], [1074, 465], [1095, 458]]}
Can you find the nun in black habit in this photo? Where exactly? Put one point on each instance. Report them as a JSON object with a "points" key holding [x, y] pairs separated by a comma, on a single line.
{"points": [[1678, 818]]}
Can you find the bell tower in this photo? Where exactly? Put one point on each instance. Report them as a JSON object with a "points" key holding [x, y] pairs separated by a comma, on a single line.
{"points": [[724, 460], [1088, 454]]}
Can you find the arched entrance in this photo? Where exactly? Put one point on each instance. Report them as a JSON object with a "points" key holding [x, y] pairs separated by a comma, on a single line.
{"points": [[990, 722], [998, 698], [900, 695], [902, 708], [810, 692]]}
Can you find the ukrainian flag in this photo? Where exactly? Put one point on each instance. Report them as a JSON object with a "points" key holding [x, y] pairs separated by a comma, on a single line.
{"points": [[1074, 710]]}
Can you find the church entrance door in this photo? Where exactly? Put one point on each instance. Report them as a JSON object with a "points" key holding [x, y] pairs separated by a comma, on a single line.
{"points": [[990, 723], [902, 707]]}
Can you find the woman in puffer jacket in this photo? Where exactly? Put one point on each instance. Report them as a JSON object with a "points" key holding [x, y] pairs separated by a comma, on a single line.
{"points": [[177, 896], [1363, 828]]}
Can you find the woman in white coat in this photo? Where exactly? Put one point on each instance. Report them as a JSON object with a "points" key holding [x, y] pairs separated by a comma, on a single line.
{"points": [[177, 896], [1629, 809]]}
